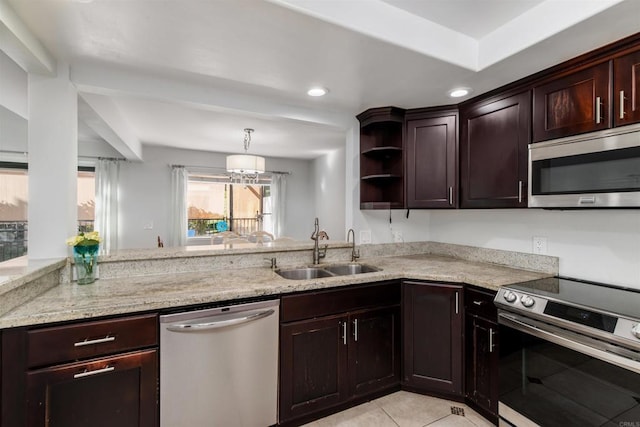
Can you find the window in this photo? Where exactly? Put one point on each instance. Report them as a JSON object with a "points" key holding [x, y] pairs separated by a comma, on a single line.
{"points": [[14, 201], [215, 205], [14, 191], [86, 198]]}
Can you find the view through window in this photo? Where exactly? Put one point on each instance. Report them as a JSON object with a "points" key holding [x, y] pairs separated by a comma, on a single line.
{"points": [[14, 190], [215, 205], [14, 201]]}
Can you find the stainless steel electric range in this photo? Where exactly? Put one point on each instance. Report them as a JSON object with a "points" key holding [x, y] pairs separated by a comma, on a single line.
{"points": [[569, 354]]}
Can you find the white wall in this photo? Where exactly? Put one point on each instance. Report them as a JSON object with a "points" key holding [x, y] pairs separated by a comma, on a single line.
{"points": [[598, 245], [329, 187], [145, 196], [13, 87]]}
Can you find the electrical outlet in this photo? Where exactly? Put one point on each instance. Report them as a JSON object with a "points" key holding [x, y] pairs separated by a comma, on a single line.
{"points": [[397, 236], [365, 236], [540, 245]]}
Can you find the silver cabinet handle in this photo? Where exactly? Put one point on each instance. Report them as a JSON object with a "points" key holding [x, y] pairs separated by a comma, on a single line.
{"points": [[96, 341], [451, 196], [478, 302], [490, 340], [355, 330], [519, 191], [457, 303], [344, 333], [622, 104], [97, 371], [189, 327], [598, 118]]}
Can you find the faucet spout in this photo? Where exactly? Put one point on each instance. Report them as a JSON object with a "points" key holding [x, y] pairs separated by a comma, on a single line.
{"points": [[354, 254], [315, 236]]}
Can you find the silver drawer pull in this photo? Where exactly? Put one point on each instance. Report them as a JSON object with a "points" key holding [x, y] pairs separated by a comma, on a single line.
{"points": [[491, 340], [96, 341], [478, 302], [587, 200], [97, 371]]}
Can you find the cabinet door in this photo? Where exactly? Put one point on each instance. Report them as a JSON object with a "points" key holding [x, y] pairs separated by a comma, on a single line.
{"points": [[433, 337], [313, 365], [482, 364], [494, 152], [432, 163], [113, 391], [572, 104], [626, 89], [374, 350]]}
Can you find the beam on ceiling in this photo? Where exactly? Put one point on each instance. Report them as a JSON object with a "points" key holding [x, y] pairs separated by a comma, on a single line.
{"points": [[17, 41], [101, 114], [104, 80]]}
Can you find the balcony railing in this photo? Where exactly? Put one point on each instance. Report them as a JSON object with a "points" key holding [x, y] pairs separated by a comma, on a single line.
{"points": [[206, 227], [13, 239]]}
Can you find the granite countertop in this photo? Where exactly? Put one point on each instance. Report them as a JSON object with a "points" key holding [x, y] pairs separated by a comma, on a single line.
{"points": [[69, 301]]}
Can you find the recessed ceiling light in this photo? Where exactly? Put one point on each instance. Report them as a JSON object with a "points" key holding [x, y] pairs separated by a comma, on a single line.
{"points": [[459, 92], [317, 91]]}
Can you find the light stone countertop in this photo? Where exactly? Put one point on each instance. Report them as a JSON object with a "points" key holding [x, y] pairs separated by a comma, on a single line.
{"points": [[69, 301]]}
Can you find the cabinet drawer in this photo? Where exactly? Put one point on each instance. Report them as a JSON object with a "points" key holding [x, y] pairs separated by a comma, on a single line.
{"points": [[480, 303], [323, 303], [90, 339]]}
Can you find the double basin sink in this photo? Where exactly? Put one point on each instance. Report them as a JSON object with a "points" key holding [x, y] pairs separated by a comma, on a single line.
{"points": [[330, 270]]}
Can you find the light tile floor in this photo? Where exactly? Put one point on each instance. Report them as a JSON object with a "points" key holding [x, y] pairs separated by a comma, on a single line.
{"points": [[404, 409]]}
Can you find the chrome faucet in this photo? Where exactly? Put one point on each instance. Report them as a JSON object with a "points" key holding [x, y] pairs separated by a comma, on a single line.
{"points": [[354, 254], [318, 235]]}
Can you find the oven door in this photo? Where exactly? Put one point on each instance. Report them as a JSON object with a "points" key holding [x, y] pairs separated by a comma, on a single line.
{"points": [[552, 377]]}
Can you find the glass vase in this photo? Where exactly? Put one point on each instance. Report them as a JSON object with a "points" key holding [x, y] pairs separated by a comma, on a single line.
{"points": [[86, 260]]}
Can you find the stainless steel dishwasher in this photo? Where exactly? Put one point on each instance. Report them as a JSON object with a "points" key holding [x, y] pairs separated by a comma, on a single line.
{"points": [[219, 367]]}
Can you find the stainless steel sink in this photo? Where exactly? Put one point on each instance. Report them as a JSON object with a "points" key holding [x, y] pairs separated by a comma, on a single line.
{"points": [[306, 273], [347, 269]]}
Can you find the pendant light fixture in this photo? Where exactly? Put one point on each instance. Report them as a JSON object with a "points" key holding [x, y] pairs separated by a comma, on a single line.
{"points": [[245, 168]]}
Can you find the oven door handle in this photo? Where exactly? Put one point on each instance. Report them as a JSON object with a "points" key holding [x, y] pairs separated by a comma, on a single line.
{"points": [[576, 342]]}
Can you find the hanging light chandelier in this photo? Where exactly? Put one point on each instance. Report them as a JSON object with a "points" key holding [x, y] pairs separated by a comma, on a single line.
{"points": [[245, 168]]}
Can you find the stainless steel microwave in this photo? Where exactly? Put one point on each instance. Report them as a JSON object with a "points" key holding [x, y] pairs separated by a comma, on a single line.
{"points": [[595, 170]]}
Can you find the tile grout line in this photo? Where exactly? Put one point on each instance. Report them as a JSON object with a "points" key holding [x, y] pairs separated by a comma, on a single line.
{"points": [[435, 421], [390, 417]]}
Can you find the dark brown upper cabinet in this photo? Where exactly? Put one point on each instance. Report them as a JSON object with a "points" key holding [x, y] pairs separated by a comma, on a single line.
{"points": [[626, 89], [381, 158], [432, 160], [493, 152], [571, 104]]}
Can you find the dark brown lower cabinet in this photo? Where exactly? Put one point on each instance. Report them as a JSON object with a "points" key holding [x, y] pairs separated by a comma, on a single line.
{"points": [[115, 391], [432, 316], [348, 349], [99, 373], [482, 357]]}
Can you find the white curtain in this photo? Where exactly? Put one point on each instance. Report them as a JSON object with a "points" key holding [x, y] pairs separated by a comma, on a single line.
{"points": [[178, 215], [107, 171], [279, 202]]}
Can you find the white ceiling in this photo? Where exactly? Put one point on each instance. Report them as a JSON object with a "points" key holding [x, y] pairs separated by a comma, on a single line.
{"points": [[194, 73]]}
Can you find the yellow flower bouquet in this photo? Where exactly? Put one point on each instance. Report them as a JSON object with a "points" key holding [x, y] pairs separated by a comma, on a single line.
{"points": [[85, 254]]}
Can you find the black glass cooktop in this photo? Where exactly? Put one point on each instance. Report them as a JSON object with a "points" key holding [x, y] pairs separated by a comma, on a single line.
{"points": [[603, 298]]}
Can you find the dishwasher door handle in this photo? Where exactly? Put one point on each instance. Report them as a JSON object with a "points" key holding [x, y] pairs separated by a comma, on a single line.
{"points": [[242, 318]]}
